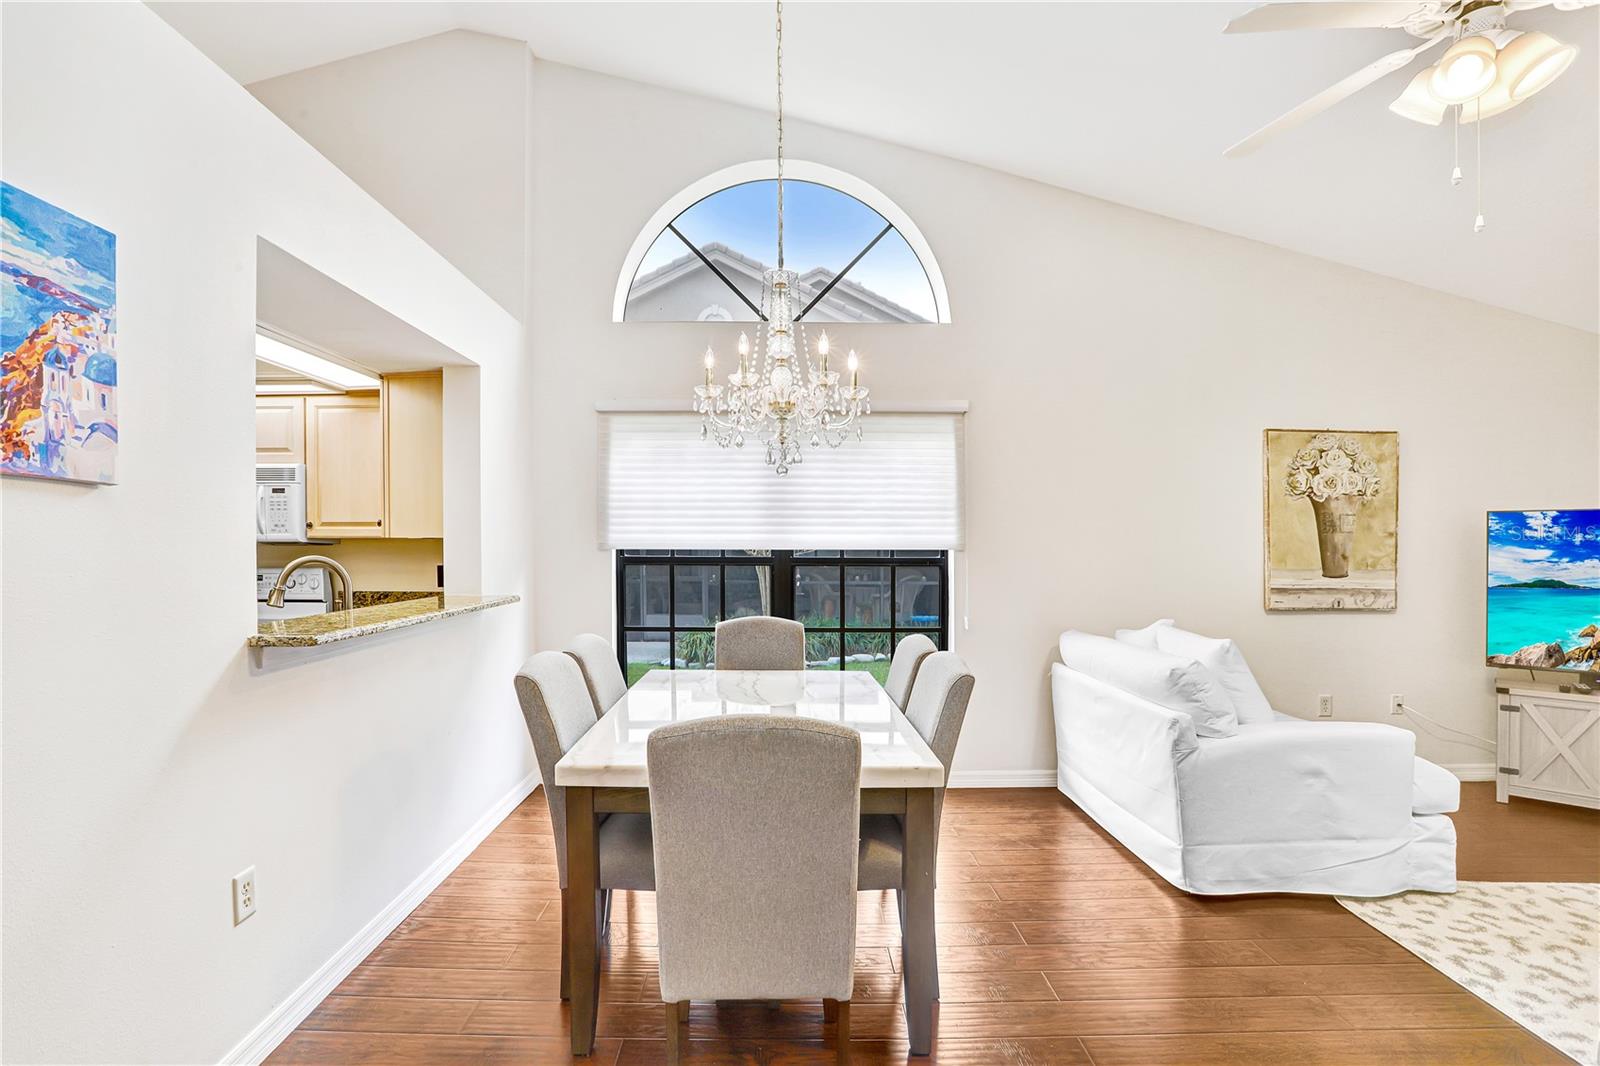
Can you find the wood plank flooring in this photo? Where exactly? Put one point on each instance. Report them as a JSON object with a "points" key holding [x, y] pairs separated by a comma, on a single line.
{"points": [[1056, 946]]}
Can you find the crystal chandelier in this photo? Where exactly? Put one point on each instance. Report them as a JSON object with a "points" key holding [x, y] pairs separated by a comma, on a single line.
{"points": [[780, 395]]}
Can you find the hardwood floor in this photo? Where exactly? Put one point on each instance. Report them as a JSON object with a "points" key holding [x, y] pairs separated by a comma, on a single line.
{"points": [[1056, 946]]}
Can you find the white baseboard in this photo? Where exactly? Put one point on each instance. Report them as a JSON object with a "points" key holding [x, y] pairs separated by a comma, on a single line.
{"points": [[1483, 771], [276, 1026], [1002, 778]]}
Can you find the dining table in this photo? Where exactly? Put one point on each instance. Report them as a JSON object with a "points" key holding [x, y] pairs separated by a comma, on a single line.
{"points": [[606, 771]]}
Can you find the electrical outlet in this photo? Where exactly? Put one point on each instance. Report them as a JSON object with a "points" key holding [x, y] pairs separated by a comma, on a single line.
{"points": [[1397, 704], [244, 894], [1324, 706]]}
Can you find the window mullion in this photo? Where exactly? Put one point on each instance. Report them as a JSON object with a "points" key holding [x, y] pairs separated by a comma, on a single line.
{"points": [[723, 277], [840, 276], [844, 598]]}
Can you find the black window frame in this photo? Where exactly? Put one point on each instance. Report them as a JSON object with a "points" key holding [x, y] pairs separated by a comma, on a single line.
{"points": [[784, 563]]}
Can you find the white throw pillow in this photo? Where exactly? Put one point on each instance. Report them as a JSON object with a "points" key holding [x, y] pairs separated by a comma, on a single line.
{"points": [[1226, 662], [1170, 681], [1143, 638]]}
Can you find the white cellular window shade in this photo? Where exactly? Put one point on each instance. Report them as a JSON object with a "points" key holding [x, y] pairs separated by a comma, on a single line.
{"points": [[900, 486]]}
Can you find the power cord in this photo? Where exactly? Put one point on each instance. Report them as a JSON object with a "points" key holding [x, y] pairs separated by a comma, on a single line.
{"points": [[1487, 745]]}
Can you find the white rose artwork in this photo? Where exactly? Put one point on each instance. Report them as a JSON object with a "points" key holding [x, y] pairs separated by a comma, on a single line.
{"points": [[1331, 516]]}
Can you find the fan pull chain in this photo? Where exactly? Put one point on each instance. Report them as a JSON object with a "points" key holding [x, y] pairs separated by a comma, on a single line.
{"points": [[1455, 173], [1478, 223]]}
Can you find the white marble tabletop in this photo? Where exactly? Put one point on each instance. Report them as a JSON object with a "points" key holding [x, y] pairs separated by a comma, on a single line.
{"points": [[612, 753]]}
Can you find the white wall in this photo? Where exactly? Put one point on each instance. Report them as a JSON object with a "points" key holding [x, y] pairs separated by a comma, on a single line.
{"points": [[1120, 367], [147, 758], [435, 131]]}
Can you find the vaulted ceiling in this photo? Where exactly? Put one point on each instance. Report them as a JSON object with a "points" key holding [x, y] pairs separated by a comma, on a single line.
{"points": [[1130, 102]]}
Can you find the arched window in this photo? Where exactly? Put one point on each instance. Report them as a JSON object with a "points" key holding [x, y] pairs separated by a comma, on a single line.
{"points": [[701, 256]]}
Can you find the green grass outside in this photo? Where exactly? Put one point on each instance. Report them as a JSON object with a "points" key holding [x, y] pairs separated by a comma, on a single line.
{"points": [[878, 668]]}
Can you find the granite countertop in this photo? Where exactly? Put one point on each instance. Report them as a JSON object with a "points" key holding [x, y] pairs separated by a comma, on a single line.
{"points": [[318, 629], [365, 598]]}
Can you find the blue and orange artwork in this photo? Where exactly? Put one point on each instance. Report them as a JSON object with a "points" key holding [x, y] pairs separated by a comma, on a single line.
{"points": [[58, 328]]}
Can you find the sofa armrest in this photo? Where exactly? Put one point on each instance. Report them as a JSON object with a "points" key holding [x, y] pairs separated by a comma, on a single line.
{"points": [[1297, 781], [1125, 747]]}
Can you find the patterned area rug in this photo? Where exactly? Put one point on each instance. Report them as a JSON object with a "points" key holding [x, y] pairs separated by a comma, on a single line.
{"points": [[1531, 949]]}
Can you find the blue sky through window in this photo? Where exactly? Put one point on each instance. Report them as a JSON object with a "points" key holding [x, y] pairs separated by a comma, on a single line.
{"points": [[823, 227]]}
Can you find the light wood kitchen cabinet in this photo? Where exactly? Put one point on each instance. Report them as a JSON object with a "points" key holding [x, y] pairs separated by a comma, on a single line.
{"points": [[413, 407], [344, 465], [280, 429]]}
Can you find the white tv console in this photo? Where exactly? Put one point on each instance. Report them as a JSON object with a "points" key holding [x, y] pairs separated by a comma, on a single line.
{"points": [[1549, 745]]}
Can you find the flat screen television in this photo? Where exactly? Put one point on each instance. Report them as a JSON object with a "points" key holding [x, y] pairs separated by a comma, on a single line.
{"points": [[1544, 590]]}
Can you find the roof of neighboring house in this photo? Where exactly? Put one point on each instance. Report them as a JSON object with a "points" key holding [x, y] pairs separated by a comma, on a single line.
{"points": [[737, 265]]}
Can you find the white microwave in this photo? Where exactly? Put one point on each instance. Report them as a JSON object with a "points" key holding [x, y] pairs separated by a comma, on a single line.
{"points": [[281, 503]]}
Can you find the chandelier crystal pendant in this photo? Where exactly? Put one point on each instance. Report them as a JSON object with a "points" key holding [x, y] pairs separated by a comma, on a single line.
{"points": [[782, 395]]}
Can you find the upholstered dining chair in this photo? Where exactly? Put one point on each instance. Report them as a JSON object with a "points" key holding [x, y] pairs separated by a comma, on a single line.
{"points": [[558, 710], [908, 656], [601, 672], [761, 642], [755, 821], [936, 709]]}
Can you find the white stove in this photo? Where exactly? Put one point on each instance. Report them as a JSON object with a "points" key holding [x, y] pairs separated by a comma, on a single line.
{"points": [[309, 592]]}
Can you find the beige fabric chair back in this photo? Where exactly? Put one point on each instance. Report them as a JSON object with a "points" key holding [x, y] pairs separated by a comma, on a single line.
{"points": [[598, 661], [937, 707], [558, 711], [761, 643], [908, 656], [755, 822]]}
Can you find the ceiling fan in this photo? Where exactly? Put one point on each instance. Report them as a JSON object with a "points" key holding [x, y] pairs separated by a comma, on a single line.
{"points": [[1487, 68]]}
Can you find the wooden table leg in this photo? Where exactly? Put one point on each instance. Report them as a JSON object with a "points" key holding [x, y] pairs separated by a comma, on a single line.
{"points": [[581, 917], [918, 948], [566, 963]]}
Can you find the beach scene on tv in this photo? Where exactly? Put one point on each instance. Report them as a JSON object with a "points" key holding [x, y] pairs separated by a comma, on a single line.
{"points": [[1544, 589]]}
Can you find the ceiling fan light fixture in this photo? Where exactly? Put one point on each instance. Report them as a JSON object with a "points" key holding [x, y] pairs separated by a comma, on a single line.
{"points": [[1465, 71], [1495, 99], [1532, 61], [1418, 103]]}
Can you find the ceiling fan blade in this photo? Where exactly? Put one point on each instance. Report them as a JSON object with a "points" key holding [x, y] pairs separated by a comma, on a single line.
{"points": [[1381, 14], [1339, 90]]}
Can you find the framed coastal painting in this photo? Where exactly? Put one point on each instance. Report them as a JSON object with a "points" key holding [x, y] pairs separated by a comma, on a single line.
{"points": [[1332, 512], [58, 357]]}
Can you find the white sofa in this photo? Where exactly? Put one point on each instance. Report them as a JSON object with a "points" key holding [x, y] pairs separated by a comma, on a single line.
{"points": [[1281, 805]]}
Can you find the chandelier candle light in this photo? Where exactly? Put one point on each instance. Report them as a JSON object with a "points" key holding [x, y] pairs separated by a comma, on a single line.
{"points": [[781, 396]]}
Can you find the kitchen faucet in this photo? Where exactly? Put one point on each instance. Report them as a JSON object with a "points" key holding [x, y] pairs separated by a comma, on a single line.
{"points": [[341, 599]]}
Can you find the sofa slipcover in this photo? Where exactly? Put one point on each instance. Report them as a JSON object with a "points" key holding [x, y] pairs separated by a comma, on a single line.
{"points": [[1281, 806]]}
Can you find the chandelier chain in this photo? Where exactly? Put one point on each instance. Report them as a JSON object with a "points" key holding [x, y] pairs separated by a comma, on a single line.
{"points": [[778, 397], [780, 133]]}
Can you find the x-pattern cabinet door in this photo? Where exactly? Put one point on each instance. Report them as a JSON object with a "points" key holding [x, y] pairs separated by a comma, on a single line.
{"points": [[1549, 746]]}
